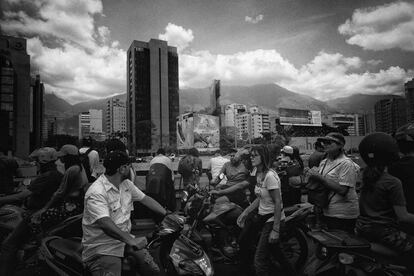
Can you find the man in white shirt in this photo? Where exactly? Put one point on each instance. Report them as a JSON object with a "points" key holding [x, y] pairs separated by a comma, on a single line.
{"points": [[106, 220], [215, 165], [160, 158]]}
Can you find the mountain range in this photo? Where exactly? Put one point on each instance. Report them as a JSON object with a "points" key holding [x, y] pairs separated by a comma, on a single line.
{"points": [[270, 97]]}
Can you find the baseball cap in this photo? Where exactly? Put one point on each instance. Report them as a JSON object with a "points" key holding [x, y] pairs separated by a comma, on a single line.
{"points": [[287, 150], [115, 159], [335, 137], [44, 155], [68, 150]]}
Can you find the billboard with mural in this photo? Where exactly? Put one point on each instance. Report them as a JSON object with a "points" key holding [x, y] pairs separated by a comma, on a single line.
{"points": [[206, 132], [198, 130], [185, 133]]}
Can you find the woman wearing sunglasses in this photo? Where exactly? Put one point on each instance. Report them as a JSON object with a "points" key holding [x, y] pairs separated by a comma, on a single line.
{"points": [[267, 217], [338, 174]]}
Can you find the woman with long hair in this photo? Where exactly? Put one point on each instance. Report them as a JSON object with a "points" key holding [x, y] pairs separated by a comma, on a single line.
{"points": [[382, 201], [265, 214]]}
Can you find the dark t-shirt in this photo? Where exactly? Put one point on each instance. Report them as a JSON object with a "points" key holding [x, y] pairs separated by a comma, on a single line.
{"points": [[8, 168], [42, 188], [404, 170], [376, 205]]}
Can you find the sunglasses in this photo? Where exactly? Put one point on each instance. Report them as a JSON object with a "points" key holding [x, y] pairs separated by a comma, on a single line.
{"points": [[328, 142]]}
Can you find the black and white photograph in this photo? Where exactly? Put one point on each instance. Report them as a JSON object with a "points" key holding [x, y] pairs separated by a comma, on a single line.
{"points": [[207, 137]]}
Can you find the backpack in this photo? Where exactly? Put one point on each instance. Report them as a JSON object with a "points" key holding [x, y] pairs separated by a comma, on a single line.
{"points": [[186, 166], [86, 165]]}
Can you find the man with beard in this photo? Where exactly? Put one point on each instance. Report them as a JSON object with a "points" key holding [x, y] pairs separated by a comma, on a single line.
{"points": [[106, 220]]}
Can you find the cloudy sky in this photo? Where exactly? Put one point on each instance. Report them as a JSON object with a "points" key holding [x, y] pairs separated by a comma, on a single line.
{"points": [[321, 48]]}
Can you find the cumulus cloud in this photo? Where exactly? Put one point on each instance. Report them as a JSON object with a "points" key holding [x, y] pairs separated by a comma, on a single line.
{"points": [[327, 76], [254, 20], [381, 27], [177, 36], [330, 76], [78, 60], [75, 58]]}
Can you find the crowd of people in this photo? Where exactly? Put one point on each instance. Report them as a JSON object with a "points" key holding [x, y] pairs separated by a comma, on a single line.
{"points": [[262, 179]]}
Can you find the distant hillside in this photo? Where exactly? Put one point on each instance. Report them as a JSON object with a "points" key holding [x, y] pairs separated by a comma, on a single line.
{"points": [[55, 106], [269, 96], [357, 103]]}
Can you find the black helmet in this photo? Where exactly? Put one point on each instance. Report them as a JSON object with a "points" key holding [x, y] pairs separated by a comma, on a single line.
{"points": [[378, 149], [405, 138]]}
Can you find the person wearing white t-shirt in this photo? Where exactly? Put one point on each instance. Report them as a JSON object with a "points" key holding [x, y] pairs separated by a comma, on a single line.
{"points": [[214, 167], [268, 219]]}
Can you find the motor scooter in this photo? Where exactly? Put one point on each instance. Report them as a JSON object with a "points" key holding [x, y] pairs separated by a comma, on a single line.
{"points": [[342, 253], [209, 220], [177, 253]]}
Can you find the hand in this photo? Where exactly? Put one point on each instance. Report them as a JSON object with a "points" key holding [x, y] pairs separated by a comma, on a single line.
{"points": [[312, 172], [273, 237], [36, 217], [137, 243], [241, 220]]}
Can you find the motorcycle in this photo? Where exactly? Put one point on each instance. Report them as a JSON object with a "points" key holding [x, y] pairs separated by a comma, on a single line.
{"points": [[177, 253], [10, 217], [341, 253], [209, 221]]}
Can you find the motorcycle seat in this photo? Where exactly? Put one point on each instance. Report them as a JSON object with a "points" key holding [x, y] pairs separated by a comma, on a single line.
{"points": [[383, 250], [71, 248]]}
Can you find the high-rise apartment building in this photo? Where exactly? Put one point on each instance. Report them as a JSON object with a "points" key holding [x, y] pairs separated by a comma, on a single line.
{"points": [[230, 114], [352, 123], [243, 126], [152, 95], [390, 114], [115, 116], [37, 91], [90, 123], [15, 103], [409, 95]]}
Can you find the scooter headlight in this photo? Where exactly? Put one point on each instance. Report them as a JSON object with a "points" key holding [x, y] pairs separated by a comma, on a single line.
{"points": [[322, 253], [191, 267], [345, 258]]}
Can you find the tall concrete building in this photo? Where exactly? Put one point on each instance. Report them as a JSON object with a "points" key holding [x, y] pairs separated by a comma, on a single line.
{"points": [[15, 102], [409, 95], [90, 123], [390, 114], [152, 95], [115, 120], [352, 123], [243, 126], [230, 114], [37, 113], [215, 108]]}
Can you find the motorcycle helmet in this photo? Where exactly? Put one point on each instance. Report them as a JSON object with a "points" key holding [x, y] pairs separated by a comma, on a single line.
{"points": [[405, 138], [378, 149]]}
